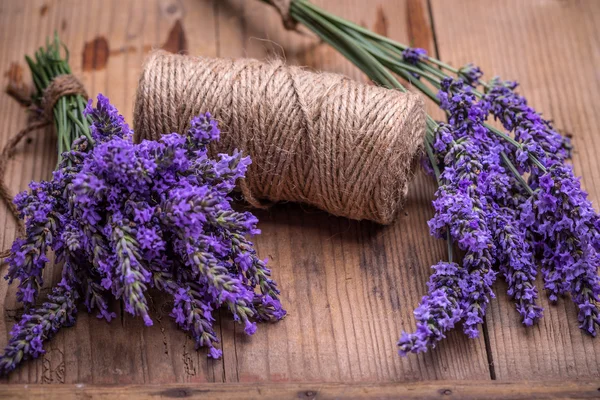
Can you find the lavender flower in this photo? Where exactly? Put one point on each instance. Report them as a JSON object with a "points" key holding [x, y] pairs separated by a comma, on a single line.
{"points": [[567, 227], [39, 325], [194, 314], [516, 262], [536, 133], [558, 252], [471, 74], [28, 256], [473, 207], [460, 213], [126, 217], [438, 312], [414, 55], [465, 114], [108, 123], [462, 203]]}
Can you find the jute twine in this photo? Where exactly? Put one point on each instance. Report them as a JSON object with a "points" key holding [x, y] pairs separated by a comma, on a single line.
{"points": [[60, 86], [316, 138]]}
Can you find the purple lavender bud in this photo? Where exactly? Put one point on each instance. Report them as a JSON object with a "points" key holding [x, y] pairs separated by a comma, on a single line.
{"points": [[471, 74], [131, 275], [37, 325], [462, 203], [107, 123], [438, 312], [516, 261], [414, 55], [203, 130], [43, 226], [516, 115], [560, 214], [268, 308], [193, 314]]}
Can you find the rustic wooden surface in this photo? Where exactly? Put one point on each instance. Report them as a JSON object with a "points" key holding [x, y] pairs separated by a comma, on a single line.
{"points": [[349, 287], [265, 391]]}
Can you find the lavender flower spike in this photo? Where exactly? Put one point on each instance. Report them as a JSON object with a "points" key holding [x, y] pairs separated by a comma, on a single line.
{"points": [[567, 226], [438, 312], [39, 325], [516, 263]]}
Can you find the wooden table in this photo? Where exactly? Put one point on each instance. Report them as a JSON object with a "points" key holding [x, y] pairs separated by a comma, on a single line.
{"points": [[349, 287]]}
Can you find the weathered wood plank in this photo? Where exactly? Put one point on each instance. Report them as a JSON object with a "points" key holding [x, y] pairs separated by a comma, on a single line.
{"points": [[551, 47], [465, 390]]}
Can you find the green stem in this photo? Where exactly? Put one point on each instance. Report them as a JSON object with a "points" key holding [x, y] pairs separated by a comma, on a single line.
{"points": [[513, 169], [360, 56], [46, 64], [433, 161], [85, 131], [516, 144], [300, 5]]}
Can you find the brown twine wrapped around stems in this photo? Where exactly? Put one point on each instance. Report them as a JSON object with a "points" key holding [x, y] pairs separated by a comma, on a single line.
{"points": [[317, 138], [60, 86]]}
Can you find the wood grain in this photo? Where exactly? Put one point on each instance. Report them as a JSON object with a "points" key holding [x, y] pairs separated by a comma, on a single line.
{"points": [[551, 48], [466, 390], [349, 287]]}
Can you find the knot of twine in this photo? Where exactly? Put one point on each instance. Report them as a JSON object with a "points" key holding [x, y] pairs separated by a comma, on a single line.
{"points": [[60, 86], [283, 7], [316, 138]]}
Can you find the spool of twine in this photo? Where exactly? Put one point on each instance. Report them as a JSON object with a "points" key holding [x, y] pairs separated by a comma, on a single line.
{"points": [[316, 138]]}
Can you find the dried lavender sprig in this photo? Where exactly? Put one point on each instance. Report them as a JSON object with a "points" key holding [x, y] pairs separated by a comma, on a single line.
{"points": [[258, 274], [530, 129], [130, 271], [468, 187], [516, 263], [28, 255], [438, 312], [193, 314], [460, 213], [39, 325], [206, 267], [512, 110]]}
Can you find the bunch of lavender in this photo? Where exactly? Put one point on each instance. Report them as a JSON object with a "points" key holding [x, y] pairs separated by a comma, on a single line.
{"points": [[505, 196], [69, 122], [124, 218]]}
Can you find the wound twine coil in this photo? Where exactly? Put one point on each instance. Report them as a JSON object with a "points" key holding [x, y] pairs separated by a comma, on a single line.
{"points": [[317, 138]]}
